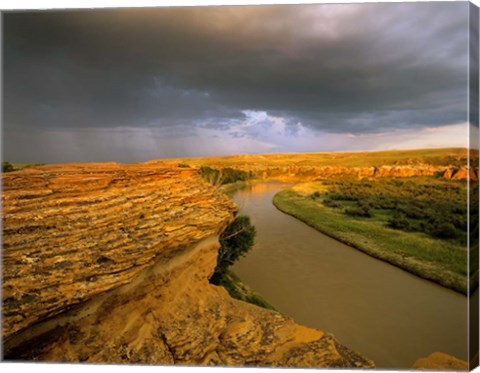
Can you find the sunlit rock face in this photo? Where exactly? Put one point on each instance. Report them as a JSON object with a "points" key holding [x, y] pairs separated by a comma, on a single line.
{"points": [[110, 263], [440, 361], [304, 167], [328, 172], [72, 232]]}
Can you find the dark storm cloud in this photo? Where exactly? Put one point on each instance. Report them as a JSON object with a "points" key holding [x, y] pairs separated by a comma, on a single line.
{"points": [[353, 68]]}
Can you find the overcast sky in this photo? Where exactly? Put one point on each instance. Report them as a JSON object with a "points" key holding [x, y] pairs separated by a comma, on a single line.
{"points": [[133, 85]]}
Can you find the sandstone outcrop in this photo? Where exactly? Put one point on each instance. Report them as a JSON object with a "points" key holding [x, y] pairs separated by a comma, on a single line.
{"points": [[452, 164], [72, 232], [295, 173], [440, 361], [461, 173], [110, 263]]}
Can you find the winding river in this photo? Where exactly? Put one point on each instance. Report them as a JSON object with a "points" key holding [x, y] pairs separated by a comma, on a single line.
{"points": [[374, 308]]}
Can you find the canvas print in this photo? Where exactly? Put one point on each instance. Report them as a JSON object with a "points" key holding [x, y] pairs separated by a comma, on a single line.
{"points": [[261, 185]]}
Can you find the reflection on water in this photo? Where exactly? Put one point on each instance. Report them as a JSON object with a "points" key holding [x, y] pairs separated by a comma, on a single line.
{"points": [[372, 307]]}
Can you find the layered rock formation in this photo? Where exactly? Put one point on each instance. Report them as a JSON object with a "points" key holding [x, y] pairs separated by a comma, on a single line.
{"points": [[110, 263], [327, 172], [269, 167], [71, 233], [447, 163]]}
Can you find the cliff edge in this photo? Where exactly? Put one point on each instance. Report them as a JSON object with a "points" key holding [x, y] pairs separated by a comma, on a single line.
{"points": [[110, 263]]}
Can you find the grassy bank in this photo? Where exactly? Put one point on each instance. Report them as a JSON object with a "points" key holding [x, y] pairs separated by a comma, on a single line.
{"points": [[373, 230], [238, 290]]}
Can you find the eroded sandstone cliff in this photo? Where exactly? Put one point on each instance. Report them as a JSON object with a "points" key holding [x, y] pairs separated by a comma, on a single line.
{"points": [[302, 170], [302, 173], [110, 263]]}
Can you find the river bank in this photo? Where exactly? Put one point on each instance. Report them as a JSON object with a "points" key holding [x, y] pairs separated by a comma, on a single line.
{"points": [[433, 259], [238, 290]]}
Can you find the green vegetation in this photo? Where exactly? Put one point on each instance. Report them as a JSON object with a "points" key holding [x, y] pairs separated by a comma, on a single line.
{"points": [[223, 176], [437, 208], [183, 165], [237, 239], [7, 167], [240, 291], [227, 180], [417, 224]]}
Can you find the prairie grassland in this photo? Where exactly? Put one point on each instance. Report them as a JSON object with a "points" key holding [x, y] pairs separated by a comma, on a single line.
{"points": [[436, 157]]}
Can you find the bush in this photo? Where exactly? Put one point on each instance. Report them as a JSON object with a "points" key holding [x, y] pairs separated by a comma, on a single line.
{"points": [[224, 175], [399, 222], [315, 195], [331, 203], [361, 211], [210, 174], [445, 230], [229, 175], [7, 167], [183, 165], [412, 212], [237, 239], [347, 196]]}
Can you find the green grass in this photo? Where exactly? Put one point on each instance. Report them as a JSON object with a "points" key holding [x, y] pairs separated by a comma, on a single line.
{"points": [[433, 206], [440, 260], [238, 290], [21, 166]]}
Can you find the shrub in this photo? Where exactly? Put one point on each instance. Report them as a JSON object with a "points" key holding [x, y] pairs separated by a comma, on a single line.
{"points": [[331, 203], [237, 239], [224, 175], [183, 165], [445, 230], [399, 222], [7, 167], [412, 212], [346, 196], [211, 175], [361, 211], [230, 175]]}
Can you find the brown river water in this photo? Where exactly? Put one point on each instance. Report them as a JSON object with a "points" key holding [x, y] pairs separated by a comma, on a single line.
{"points": [[374, 308]]}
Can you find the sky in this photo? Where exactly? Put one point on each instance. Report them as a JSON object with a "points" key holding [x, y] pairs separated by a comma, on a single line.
{"points": [[131, 85]]}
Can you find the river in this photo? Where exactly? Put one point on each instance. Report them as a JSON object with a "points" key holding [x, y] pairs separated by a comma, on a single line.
{"points": [[374, 308]]}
